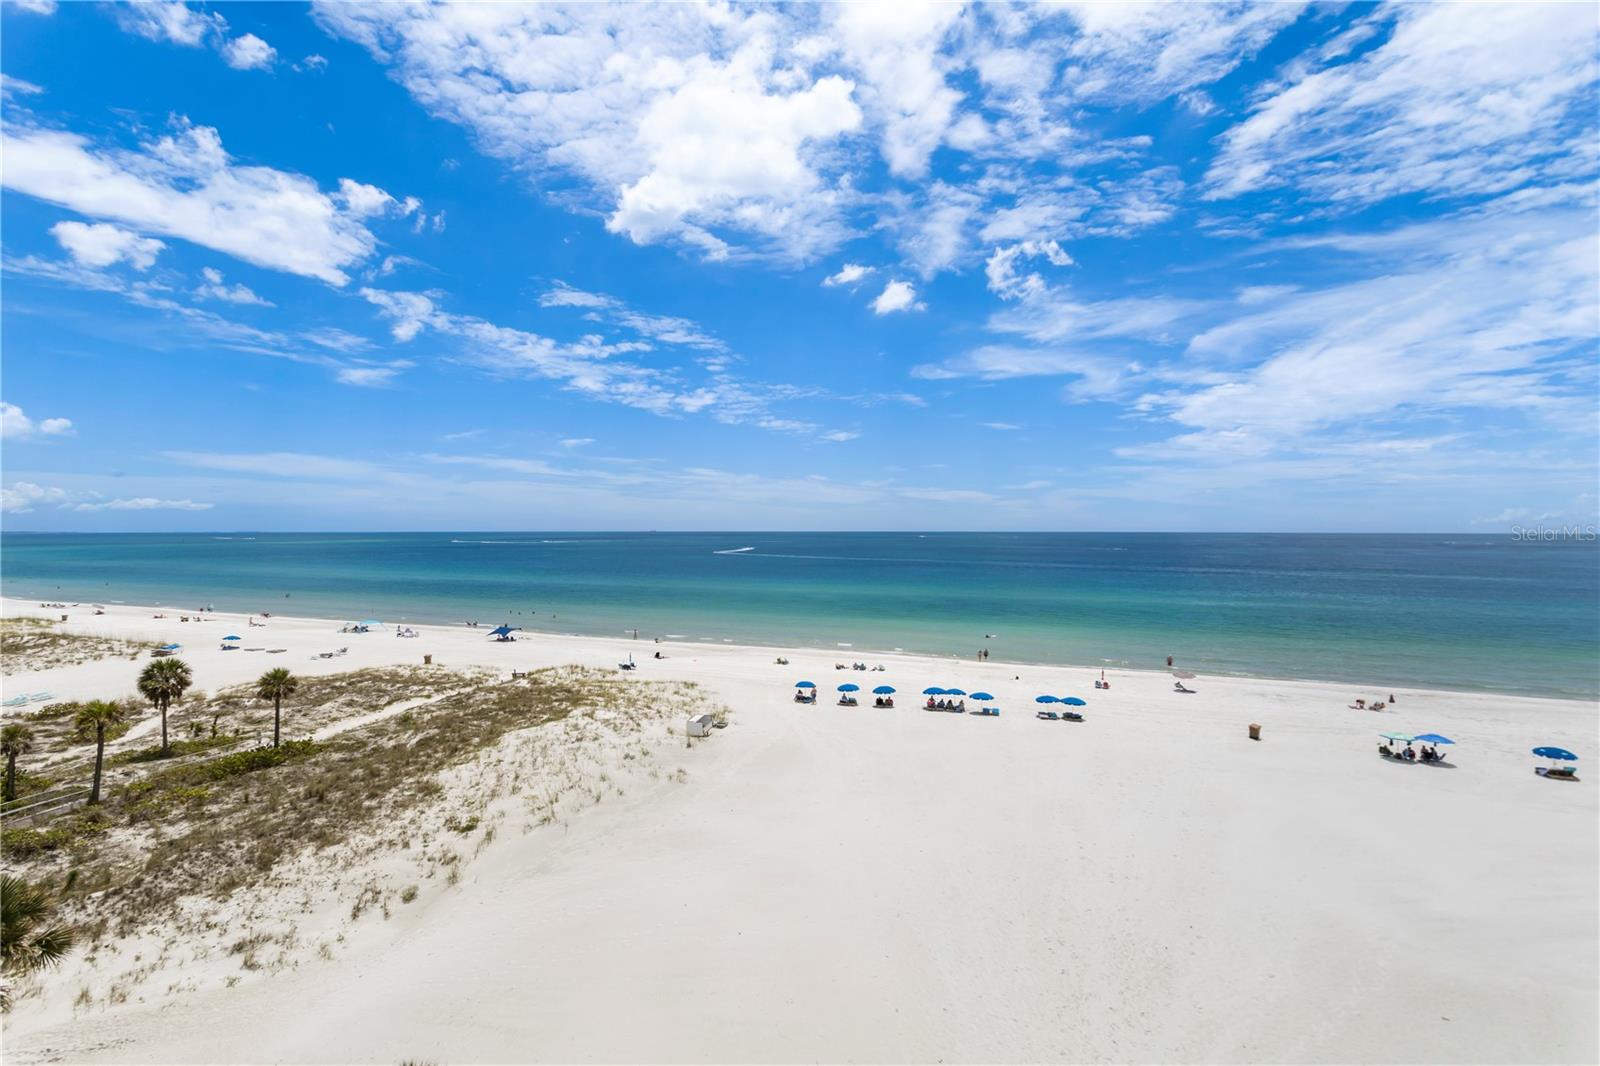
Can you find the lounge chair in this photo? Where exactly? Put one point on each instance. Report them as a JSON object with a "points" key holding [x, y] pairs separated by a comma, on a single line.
{"points": [[628, 666], [1557, 773], [1179, 687], [847, 701], [1048, 716]]}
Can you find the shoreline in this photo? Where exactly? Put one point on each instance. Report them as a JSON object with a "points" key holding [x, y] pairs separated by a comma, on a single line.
{"points": [[14, 606]]}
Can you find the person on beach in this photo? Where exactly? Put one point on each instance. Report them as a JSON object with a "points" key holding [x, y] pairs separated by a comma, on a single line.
{"points": [[1169, 662]]}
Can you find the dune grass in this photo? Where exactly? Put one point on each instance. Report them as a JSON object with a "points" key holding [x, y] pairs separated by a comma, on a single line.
{"points": [[39, 644]]}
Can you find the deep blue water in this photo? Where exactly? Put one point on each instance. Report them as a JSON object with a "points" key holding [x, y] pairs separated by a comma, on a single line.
{"points": [[1455, 611]]}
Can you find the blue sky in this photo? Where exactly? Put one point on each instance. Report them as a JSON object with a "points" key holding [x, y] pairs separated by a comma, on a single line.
{"points": [[1213, 267]]}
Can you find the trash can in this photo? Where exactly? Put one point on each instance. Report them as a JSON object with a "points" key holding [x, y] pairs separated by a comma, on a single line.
{"points": [[1255, 731], [427, 660]]}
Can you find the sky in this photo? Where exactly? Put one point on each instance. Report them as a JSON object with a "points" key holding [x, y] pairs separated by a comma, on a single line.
{"points": [[854, 266]]}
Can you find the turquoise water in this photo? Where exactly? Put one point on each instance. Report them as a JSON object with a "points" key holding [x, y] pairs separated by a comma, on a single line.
{"points": [[1453, 611]]}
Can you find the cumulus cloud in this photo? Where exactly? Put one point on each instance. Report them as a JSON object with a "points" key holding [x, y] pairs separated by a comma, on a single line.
{"points": [[249, 52], [25, 497], [16, 425], [897, 296], [185, 185], [102, 244], [170, 20]]}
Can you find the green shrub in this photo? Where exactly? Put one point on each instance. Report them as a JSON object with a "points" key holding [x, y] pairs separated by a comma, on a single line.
{"points": [[179, 747]]}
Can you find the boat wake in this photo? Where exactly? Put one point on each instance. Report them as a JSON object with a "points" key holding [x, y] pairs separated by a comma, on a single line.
{"points": [[734, 551]]}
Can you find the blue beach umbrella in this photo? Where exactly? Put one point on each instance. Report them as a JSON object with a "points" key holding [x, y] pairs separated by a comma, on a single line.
{"points": [[982, 696], [1559, 754], [805, 684], [934, 692], [954, 692], [1073, 701], [1434, 738], [232, 637], [849, 687], [498, 631], [371, 622], [883, 690], [170, 647], [1045, 699]]}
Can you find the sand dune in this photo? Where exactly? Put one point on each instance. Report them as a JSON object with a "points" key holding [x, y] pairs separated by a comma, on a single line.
{"points": [[870, 885]]}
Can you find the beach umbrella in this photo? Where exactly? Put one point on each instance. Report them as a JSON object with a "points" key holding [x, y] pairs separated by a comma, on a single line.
{"points": [[1045, 699], [1074, 701], [171, 647], [499, 631], [849, 687], [1182, 675], [1558, 754], [883, 690], [805, 684], [982, 696], [1400, 738], [934, 692], [1434, 738], [232, 637], [371, 622], [954, 692]]}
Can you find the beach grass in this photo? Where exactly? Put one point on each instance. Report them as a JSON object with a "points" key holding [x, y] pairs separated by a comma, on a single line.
{"points": [[28, 644]]}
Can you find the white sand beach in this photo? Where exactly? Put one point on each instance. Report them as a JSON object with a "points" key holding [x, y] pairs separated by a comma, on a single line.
{"points": [[836, 884]]}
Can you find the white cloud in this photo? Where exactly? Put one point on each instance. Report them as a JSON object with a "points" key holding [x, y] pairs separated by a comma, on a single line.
{"points": [[184, 185], [682, 123], [363, 200], [848, 274], [1005, 427], [576, 442], [897, 296], [101, 244], [1497, 314], [896, 48], [279, 464], [1001, 269], [665, 329], [1459, 100], [16, 425], [12, 87], [249, 52], [313, 62], [33, 7], [170, 20], [215, 289], [23, 496], [371, 376], [839, 436], [141, 503]]}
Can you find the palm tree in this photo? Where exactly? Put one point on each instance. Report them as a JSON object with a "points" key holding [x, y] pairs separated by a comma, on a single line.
{"points": [[26, 942], [162, 683], [98, 715], [15, 739], [276, 685]]}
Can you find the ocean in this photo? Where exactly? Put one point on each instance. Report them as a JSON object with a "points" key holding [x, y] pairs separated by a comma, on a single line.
{"points": [[1470, 612]]}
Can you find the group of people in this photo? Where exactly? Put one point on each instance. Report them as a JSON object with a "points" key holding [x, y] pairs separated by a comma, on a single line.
{"points": [[1429, 753], [946, 705], [851, 666]]}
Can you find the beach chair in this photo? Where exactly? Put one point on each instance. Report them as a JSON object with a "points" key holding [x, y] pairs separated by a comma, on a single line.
{"points": [[1071, 716], [1047, 716], [1557, 773]]}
